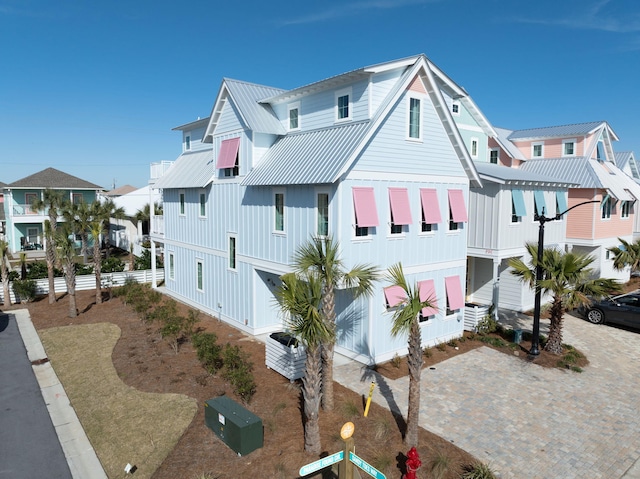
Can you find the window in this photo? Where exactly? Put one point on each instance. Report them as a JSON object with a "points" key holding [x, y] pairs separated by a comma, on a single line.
{"points": [[279, 212], [394, 295], [172, 271], [323, 214], [457, 209], [518, 209], [294, 116], [539, 203], [77, 198], [399, 209], [203, 205], [455, 299], [228, 157], [181, 202], [494, 156], [343, 105], [427, 292], [537, 150], [561, 203], [199, 279], [625, 209], [474, 148], [606, 207], [455, 108], [366, 214], [600, 154], [232, 252], [29, 198], [430, 209], [415, 131], [568, 147], [187, 142]]}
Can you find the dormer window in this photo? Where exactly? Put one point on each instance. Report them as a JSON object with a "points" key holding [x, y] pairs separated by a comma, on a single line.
{"points": [[537, 150], [187, 142], [343, 105], [294, 116], [455, 108], [228, 157], [568, 147], [474, 148], [415, 131]]}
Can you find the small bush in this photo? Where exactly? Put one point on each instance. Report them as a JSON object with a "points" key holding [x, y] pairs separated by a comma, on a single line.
{"points": [[426, 352], [112, 264], [441, 346], [453, 343], [83, 269], [396, 361], [13, 275], [25, 289], [349, 409], [440, 465], [38, 270], [382, 427], [144, 261], [479, 471], [487, 324], [238, 371], [495, 342], [208, 351]]}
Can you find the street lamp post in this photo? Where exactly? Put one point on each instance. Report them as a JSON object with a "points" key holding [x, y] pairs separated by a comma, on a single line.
{"points": [[542, 219]]}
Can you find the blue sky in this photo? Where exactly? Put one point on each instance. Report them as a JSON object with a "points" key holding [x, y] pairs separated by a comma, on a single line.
{"points": [[94, 88]]}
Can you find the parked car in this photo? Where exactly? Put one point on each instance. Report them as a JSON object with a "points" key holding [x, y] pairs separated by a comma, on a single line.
{"points": [[623, 310]]}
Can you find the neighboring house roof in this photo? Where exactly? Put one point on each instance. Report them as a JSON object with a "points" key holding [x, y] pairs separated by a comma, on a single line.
{"points": [[121, 190], [310, 157], [55, 179], [2, 185], [503, 140], [505, 175], [576, 129], [191, 170], [624, 158], [324, 155], [587, 173], [192, 124], [136, 200], [256, 116]]}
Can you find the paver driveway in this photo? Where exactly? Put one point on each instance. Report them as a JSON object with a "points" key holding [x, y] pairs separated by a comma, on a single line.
{"points": [[527, 421]]}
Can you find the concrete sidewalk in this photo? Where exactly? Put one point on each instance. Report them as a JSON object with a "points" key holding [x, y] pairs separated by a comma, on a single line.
{"points": [[529, 421], [81, 458]]}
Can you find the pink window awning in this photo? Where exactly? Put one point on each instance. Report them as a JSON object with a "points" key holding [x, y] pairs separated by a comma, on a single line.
{"points": [[228, 153], [430, 205], [454, 292], [400, 209], [364, 202], [458, 209], [427, 292], [394, 295]]}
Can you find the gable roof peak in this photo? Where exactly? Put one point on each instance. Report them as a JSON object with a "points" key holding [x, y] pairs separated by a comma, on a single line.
{"points": [[571, 129], [55, 179]]}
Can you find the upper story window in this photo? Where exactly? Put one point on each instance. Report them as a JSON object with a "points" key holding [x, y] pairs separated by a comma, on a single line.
{"points": [[539, 203], [430, 209], [323, 214], [455, 297], [625, 209], [181, 203], [279, 212], [494, 156], [474, 148], [415, 130], [457, 210], [77, 198], [455, 108], [537, 150], [203, 205], [228, 157], [600, 154], [187, 142], [400, 210], [568, 147], [343, 105], [366, 213], [518, 209], [606, 208], [561, 203], [294, 116]]}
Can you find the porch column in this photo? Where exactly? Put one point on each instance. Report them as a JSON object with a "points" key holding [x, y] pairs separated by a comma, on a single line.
{"points": [[496, 286], [154, 283]]}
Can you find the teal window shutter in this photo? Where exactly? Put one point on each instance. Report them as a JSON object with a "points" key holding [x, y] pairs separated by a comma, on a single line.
{"points": [[541, 207], [518, 202], [561, 202]]}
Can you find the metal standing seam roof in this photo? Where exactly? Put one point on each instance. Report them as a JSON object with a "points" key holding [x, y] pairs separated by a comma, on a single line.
{"points": [[504, 174], [55, 179], [576, 129], [312, 157], [510, 148], [622, 158], [191, 170], [259, 117]]}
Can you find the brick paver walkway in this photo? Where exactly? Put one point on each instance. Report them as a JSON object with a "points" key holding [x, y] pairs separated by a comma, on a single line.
{"points": [[527, 421]]}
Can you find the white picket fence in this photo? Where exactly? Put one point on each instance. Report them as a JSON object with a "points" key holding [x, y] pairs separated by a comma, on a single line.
{"points": [[88, 281]]}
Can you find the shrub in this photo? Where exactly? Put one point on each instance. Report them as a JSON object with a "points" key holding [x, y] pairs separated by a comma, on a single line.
{"points": [[426, 352], [38, 270], [487, 324], [112, 264], [396, 361], [441, 346], [479, 471], [83, 269], [174, 328], [144, 261], [208, 351], [238, 371], [13, 275], [25, 289], [440, 465]]}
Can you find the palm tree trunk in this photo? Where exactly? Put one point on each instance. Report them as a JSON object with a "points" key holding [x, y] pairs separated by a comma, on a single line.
{"points": [[97, 269], [415, 361], [329, 315], [51, 260], [554, 343], [311, 392], [70, 279], [5, 281]]}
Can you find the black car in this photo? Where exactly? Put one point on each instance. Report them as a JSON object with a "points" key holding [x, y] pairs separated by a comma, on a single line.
{"points": [[623, 310]]}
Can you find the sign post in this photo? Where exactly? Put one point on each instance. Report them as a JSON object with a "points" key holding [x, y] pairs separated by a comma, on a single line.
{"points": [[321, 464], [366, 467]]}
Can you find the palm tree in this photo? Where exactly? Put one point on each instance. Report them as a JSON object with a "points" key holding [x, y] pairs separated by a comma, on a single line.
{"points": [[627, 255], [144, 214], [406, 320], [79, 216], [4, 271], [104, 212], [67, 251], [300, 298], [320, 257], [53, 201], [568, 278]]}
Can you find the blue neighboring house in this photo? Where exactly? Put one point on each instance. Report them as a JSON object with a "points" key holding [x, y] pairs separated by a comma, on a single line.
{"points": [[24, 225], [371, 157]]}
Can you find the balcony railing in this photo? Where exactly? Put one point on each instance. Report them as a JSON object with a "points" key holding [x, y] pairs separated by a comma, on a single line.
{"points": [[25, 210], [157, 225]]}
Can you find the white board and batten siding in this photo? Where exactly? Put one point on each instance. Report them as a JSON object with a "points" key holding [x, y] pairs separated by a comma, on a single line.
{"points": [[286, 360]]}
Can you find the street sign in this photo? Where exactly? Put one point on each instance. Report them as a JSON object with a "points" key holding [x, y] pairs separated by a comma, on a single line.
{"points": [[368, 468], [322, 463]]}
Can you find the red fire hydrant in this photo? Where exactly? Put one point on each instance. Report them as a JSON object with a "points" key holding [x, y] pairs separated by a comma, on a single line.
{"points": [[413, 463]]}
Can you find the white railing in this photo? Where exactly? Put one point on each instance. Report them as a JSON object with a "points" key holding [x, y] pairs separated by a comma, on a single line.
{"points": [[88, 281], [157, 225], [159, 168], [24, 210]]}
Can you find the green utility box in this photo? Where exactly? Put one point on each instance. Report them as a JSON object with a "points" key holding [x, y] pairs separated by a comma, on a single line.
{"points": [[238, 428]]}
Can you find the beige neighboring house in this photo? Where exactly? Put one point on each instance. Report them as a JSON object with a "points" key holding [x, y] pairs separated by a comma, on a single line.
{"points": [[129, 231], [119, 191]]}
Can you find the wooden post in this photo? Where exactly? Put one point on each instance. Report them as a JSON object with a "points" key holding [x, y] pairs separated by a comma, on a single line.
{"points": [[346, 468]]}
